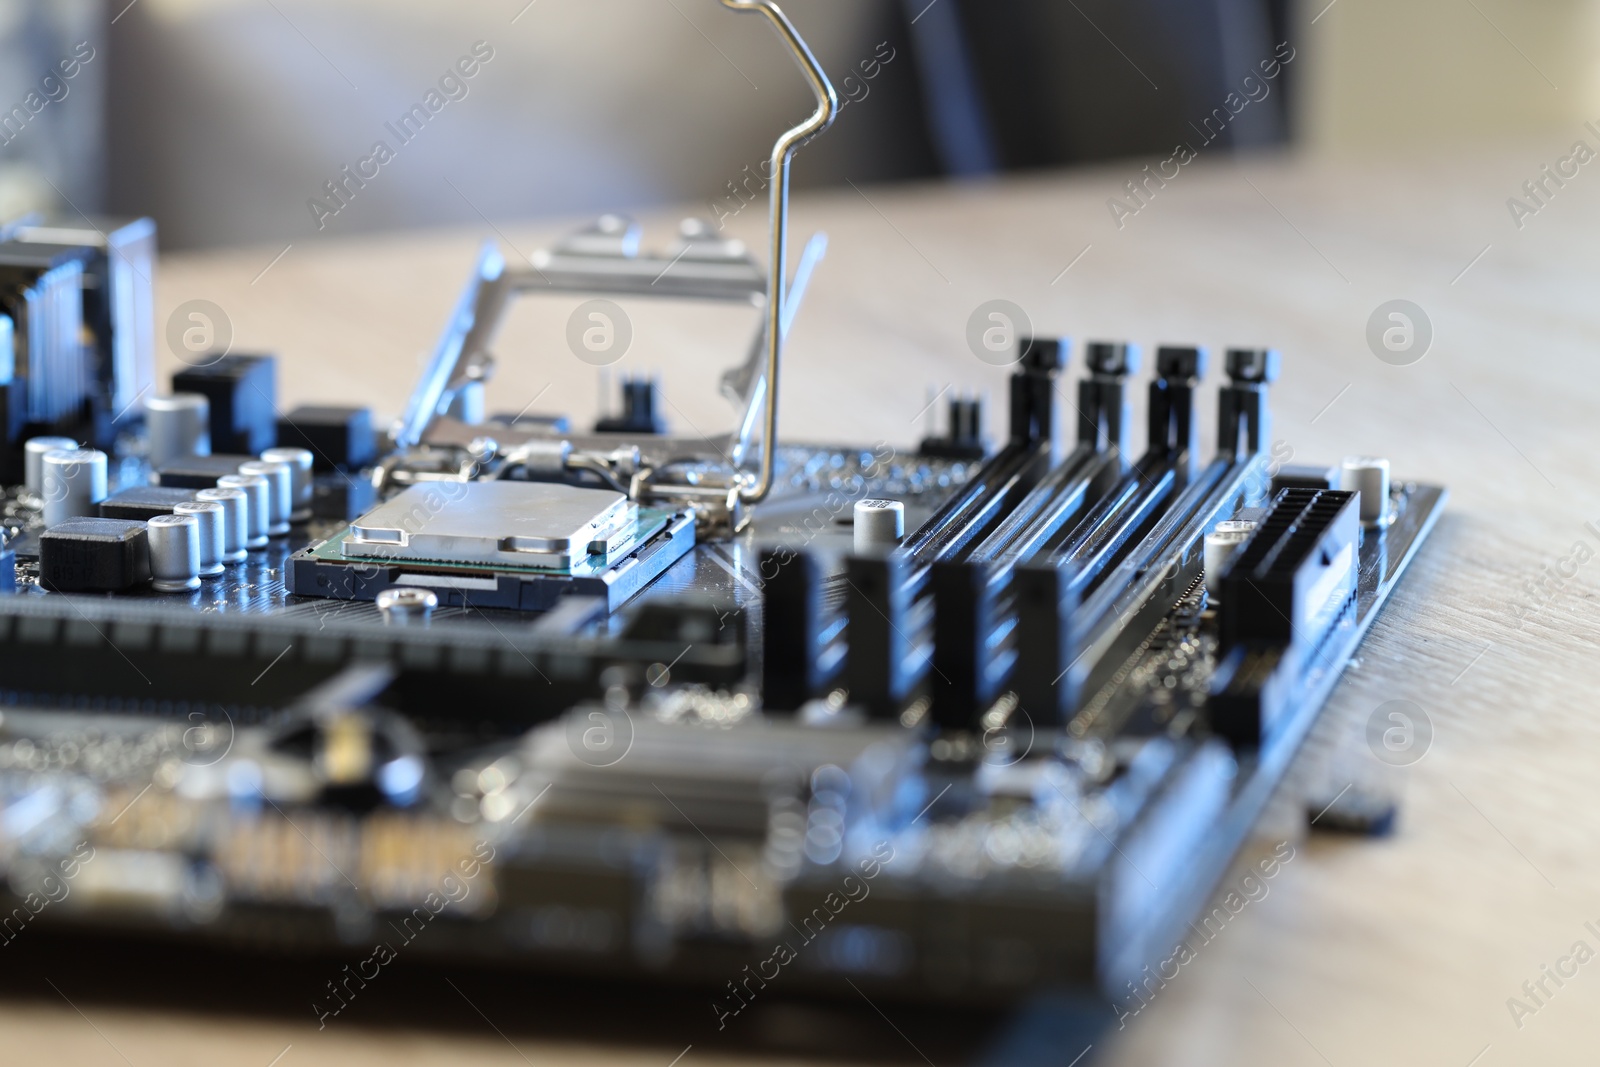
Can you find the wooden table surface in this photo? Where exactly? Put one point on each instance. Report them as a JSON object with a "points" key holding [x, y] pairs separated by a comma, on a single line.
{"points": [[1396, 951]]}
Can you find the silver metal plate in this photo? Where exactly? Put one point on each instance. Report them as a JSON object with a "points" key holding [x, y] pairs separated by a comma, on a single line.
{"points": [[528, 524]]}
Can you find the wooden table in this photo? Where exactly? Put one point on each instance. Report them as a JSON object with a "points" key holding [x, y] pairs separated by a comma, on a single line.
{"points": [[1399, 951]]}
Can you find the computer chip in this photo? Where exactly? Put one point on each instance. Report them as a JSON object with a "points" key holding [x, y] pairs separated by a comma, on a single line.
{"points": [[523, 524]]}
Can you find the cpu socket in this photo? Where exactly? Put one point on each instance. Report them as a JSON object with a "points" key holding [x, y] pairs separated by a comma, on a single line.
{"points": [[522, 524], [497, 544]]}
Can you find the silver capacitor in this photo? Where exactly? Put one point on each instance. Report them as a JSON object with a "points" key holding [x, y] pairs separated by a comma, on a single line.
{"points": [[1221, 545], [177, 426], [879, 525], [72, 484], [257, 507], [407, 605], [299, 461], [235, 505], [1368, 476], [174, 553], [209, 518], [33, 454], [280, 501]]}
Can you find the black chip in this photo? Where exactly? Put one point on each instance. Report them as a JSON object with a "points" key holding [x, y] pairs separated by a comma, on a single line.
{"points": [[336, 437], [341, 498], [243, 391], [144, 503], [94, 556], [198, 472]]}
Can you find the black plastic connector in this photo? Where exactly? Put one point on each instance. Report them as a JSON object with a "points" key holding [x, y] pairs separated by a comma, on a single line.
{"points": [[338, 438], [638, 410], [243, 393], [1174, 430], [1244, 423], [967, 645], [1250, 689], [963, 439], [796, 662], [199, 472], [1046, 600], [878, 668], [1305, 477], [1104, 415], [1296, 576], [1033, 390]]}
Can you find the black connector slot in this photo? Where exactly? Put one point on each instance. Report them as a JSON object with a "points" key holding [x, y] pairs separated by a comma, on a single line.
{"points": [[1117, 523], [970, 638], [1251, 687], [797, 660], [1289, 590], [981, 505], [99, 654], [1144, 586], [886, 660], [1292, 580], [1049, 508]]}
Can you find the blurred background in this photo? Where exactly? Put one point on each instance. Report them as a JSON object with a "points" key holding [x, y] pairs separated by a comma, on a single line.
{"points": [[226, 119]]}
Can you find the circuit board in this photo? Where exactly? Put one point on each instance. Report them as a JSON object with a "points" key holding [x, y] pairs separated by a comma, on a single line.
{"points": [[955, 721]]}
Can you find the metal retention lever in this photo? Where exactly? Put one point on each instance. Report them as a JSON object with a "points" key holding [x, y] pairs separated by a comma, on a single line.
{"points": [[606, 259]]}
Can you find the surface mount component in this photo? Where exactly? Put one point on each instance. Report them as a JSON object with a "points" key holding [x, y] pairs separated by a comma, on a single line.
{"points": [[177, 426], [210, 518], [143, 502], [234, 521], [35, 451], [243, 395], [197, 471], [94, 555], [526, 524], [72, 484], [338, 438], [1368, 477], [174, 553]]}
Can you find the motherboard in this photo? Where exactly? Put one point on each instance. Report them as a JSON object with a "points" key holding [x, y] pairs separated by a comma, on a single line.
{"points": [[968, 718]]}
